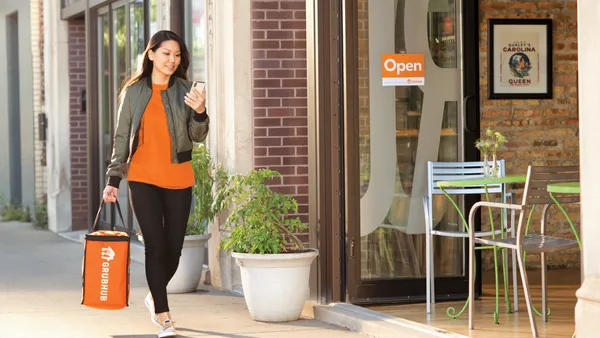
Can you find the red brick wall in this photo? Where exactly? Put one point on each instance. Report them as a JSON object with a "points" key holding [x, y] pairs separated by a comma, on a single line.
{"points": [[540, 132], [79, 183], [279, 94]]}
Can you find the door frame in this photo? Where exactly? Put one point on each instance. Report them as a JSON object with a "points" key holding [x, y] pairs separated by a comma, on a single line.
{"points": [[92, 88], [357, 291], [323, 36]]}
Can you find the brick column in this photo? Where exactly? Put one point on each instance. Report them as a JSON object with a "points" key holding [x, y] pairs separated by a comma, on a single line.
{"points": [[280, 95], [540, 132], [79, 179]]}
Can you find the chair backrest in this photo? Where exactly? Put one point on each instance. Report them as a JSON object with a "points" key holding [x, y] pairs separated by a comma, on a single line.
{"points": [[538, 178], [449, 171]]}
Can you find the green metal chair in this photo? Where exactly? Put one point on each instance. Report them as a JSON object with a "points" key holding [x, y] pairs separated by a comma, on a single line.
{"points": [[449, 171], [535, 194]]}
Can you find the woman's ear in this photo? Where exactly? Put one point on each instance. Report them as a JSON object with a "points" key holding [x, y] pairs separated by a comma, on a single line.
{"points": [[151, 55]]}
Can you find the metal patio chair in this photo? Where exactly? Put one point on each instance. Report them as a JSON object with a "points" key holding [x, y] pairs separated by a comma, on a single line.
{"points": [[535, 194], [448, 171]]}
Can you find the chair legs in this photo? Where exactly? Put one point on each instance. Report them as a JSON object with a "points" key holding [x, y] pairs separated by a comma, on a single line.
{"points": [[544, 290], [505, 279], [428, 268], [522, 270], [429, 273], [527, 294], [432, 267], [515, 282], [471, 281], [497, 310]]}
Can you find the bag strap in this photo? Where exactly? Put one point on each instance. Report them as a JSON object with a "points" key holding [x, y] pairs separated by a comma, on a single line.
{"points": [[94, 226]]}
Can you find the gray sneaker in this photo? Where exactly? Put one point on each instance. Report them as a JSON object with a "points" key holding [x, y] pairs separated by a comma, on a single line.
{"points": [[150, 305], [167, 329]]}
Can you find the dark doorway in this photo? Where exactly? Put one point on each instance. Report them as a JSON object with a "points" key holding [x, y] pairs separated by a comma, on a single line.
{"points": [[14, 108]]}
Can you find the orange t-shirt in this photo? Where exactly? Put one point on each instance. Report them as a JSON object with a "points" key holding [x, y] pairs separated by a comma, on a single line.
{"points": [[151, 162]]}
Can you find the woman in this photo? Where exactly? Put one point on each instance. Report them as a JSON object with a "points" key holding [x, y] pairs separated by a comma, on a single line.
{"points": [[159, 117]]}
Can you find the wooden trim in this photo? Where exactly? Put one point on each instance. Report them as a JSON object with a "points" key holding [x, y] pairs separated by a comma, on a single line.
{"points": [[351, 141], [146, 22], [176, 19], [92, 111], [313, 148], [324, 147], [334, 150]]}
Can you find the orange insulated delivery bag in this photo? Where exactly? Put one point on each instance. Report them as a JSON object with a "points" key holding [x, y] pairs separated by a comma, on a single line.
{"points": [[105, 271]]}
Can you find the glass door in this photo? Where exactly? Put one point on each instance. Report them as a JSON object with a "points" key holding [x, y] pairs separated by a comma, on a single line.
{"points": [[104, 109], [400, 128], [120, 46], [120, 73]]}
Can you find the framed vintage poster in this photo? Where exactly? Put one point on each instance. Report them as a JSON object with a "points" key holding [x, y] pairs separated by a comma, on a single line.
{"points": [[520, 58]]}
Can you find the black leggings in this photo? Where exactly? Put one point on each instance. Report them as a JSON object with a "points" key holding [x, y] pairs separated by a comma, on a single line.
{"points": [[163, 216]]}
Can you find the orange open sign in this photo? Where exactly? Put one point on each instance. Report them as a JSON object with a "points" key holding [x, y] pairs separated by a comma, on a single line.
{"points": [[403, 69]]}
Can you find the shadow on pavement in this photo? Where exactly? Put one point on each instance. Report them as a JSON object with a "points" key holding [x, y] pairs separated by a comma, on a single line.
{"points": [[145, 336], [211, 333], [209, 290], [179, 335]]}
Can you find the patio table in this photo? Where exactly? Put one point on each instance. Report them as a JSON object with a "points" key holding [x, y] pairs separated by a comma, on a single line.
{"points": [[477, 182]]}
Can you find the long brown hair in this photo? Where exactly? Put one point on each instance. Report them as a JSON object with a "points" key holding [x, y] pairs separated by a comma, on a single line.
{"points": [[146, 70]]}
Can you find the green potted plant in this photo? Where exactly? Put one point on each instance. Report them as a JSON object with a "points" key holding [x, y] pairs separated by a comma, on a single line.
{"points": [[208, 195], [274, 263], [489, 146]]}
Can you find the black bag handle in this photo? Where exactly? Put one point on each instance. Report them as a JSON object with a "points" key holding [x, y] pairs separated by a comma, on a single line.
{"points": [[95, 225]]}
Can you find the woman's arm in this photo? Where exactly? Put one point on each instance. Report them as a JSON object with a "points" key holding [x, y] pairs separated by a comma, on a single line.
{"points": [[198, 126], [116, 168], [198, 121]]}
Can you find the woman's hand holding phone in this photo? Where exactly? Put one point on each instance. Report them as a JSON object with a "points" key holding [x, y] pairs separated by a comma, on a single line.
{"points": [[196, 98]]}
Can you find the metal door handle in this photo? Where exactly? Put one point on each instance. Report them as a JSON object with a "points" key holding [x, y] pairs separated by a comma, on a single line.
{"points": [[465, 117]]}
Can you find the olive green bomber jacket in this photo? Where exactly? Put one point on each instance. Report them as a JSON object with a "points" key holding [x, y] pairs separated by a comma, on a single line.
{"points": [[185, 125]]}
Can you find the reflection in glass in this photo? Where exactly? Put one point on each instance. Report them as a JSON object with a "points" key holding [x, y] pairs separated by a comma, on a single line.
{"points": [[104, 104], [152, 7], [120, 74], [120, 46], [390, 252], [136, 35], [195, 36]]}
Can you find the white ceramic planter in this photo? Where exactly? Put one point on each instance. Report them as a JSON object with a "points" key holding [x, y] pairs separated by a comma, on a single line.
{"points": [[275, 286], [191, 263]]}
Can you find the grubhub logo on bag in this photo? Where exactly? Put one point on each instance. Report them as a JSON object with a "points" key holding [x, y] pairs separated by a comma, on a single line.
{"points": [[106, 270], [108, 254]]}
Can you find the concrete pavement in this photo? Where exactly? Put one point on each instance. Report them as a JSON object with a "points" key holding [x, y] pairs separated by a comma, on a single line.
{"points": [[40, 290]]}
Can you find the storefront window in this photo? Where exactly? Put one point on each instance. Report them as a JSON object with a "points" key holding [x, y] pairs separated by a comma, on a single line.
{"points": [[195, 36], [400, 129], [120, 71], [120, 41], [103, 106], [136, 13], [66, 3], [153, 16]]}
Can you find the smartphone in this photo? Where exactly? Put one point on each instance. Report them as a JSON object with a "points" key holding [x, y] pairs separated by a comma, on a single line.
{"points": [[199, 85]]}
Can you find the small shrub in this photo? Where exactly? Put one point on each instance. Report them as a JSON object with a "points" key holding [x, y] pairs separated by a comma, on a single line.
{"points": [[12, 212], [41, 213], [260, 221], [208, 192]]}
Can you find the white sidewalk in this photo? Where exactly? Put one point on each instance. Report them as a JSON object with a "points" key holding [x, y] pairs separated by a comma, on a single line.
{"points": [[40, 289]]}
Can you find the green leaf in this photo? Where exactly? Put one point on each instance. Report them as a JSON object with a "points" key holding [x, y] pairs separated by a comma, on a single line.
{"points": [[259, 216]]}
